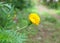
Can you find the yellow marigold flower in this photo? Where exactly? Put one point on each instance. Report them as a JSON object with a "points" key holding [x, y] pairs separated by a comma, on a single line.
{"points": [[34, 18]]}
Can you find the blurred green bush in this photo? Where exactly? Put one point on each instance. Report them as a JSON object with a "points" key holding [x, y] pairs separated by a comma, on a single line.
{"points": [[10, 17], [21, 4], [6, 14], [8, 24], [52, 3]]}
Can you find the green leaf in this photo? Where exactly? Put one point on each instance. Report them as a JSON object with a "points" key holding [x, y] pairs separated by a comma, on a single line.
{"points": [[8, 36]]}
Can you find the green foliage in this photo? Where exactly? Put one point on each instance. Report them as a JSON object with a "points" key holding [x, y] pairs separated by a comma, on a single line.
{"points": [[51, 19], [8, 36], [5, 11], [48, 17], [6, 14], [58, 12], [21, 4], [13, 20], [52, 4]]}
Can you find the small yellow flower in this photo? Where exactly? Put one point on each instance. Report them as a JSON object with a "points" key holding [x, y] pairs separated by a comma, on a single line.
{"points": [[34, 18]]}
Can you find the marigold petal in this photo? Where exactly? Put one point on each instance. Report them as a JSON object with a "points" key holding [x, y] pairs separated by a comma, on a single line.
{"points": [[34, 18]]}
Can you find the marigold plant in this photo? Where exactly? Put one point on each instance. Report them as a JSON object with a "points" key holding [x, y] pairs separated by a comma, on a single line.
{"points": [[34, 18]]}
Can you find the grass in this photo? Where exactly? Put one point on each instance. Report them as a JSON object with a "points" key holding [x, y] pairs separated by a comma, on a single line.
{"points": [[58, 12], [49, 30]]}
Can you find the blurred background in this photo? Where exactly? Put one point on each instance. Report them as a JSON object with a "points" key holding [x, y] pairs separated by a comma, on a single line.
{"points": [[14, 17]]}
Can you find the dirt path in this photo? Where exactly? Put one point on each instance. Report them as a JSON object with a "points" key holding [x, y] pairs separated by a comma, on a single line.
{"points": [[42, 8]]}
